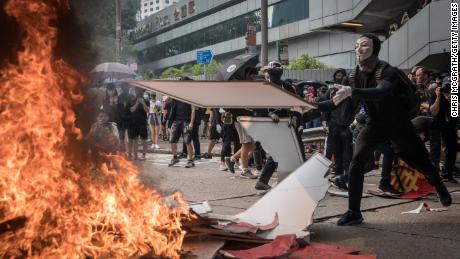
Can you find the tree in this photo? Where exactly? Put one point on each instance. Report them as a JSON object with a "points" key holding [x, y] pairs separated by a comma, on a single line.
{"points": [[213, 67], [171, 72], [304, 61], [197, 69]]}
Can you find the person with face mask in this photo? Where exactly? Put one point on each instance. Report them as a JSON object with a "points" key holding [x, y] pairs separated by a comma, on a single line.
{"points": [[379, 87]]}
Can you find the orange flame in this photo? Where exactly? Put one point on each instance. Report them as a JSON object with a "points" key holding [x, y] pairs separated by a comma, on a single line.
{"points": [[70, 211]]}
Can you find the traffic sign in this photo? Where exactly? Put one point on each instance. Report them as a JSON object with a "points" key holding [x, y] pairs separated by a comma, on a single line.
{"points": [[203, 56]]}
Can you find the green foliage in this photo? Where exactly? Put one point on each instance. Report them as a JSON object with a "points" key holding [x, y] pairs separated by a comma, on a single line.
{"points": [[171, 72], [213, 67], [197, 70], [304, 61], [148, 75]]}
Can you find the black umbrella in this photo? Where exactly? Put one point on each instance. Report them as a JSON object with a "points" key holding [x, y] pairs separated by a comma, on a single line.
{"points": [[234, 68]]}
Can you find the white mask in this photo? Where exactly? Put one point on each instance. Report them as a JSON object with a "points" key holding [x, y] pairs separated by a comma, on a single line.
{"points": [[363, 49]]}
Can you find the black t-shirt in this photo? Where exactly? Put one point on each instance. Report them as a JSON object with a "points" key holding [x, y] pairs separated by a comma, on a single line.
{"points": [[180, 111], [138, 116], [444, 118]]}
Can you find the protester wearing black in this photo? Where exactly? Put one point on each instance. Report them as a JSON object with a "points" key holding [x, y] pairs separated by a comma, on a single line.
{"points": [[214, 132], [445, 128], [389, 120], [139, 109], [340, 135], [182, 116], [123, 119], [199, 113]]}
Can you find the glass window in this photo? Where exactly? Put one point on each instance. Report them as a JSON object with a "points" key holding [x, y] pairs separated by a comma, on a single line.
{"points": [[151, 3], [145, 4], [158, 8], [278, 14]]}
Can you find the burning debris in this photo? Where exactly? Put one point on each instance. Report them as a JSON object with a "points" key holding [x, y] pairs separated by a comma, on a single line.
{"points": [[52, 204]]}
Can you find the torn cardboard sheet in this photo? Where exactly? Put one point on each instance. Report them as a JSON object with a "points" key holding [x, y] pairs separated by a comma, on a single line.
{"points": [[201, 248], [201, 207], [243, 227], [226, 94], [294, 200], [344, 194], [278, 139], [424, 208], [286, 246]]}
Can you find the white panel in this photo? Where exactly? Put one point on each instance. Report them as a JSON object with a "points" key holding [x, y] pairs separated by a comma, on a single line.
{"points": [[418, 35], [329, 20], [398, 46], [336, 42], [306, 184], [324, 45], [384, 51], [289, 157], [293, 30], [440, 47], [344, 5], [283, 31], [439, 20], [316, 9], [329, 7], [418, 57], [315, 24], [312, 46], [345, 16]]}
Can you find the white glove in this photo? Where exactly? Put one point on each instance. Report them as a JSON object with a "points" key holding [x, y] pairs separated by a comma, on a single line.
{"points": [[342, 94]]}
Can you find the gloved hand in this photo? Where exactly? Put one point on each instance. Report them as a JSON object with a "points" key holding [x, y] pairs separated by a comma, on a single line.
{"points": [[275, 118], [342, 94]]}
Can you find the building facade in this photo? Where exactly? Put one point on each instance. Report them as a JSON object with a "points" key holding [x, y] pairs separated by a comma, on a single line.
{"points": [[325, 29], [150, 7]]}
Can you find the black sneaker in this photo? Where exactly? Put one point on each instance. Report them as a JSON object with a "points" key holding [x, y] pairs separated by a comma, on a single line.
{"points": [[197, 158], [206, 156], [230, 164], [389, 191], [262, 187], [350, 218], [190, 164], [182, 155], [339, 183], [444, 195], [247, 174], [174, 161]]}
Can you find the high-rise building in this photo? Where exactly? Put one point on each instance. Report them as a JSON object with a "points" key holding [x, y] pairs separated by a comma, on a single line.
{"points": [[324, 29], [149, 7]]}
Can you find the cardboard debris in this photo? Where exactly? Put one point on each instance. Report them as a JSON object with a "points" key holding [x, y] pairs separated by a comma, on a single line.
{"points": [[278, 139], [202, 248], [243, 227], [423, 207], [286, 246], [201, 207], [294, 200], [226, 94]]}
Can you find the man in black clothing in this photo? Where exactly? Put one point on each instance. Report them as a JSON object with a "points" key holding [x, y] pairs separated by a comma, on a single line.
{"points": [[182, 116], [389, 120], [340, 137], [445, 127], [138, 123]]}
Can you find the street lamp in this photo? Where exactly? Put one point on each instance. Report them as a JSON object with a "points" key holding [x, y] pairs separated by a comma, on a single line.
{"points": [[118, 30], [264, 32]]}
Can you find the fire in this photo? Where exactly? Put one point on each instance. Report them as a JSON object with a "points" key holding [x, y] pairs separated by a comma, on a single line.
{"points": [[56, 205]]}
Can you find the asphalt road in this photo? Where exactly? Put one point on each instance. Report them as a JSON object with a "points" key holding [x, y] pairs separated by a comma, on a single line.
{"points": [[385, 232]]}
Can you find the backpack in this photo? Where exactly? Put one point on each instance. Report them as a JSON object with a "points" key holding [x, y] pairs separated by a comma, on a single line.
{"points": [[407, 91]]}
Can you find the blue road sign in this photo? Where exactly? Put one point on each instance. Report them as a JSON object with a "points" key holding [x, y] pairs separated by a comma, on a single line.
{"points": [[203, 56]]}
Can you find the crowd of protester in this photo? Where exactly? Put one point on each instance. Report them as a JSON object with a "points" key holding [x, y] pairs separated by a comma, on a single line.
{"points": [[135, 117]]}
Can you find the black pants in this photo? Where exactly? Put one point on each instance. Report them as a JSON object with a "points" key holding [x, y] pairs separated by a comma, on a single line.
{"points": [[229, 135], [329, 146], [387, 163], [449, 137], [407, 146], [195, 141], [341, 139]]}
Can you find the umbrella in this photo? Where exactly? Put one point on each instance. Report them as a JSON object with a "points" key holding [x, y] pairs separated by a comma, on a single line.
{"points": [[113, 71], [234, 68]]}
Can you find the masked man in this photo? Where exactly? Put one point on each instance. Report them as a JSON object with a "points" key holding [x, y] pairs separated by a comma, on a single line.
{"points": [[380, 88]]}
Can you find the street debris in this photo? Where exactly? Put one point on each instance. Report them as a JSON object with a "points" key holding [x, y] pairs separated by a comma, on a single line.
{"points": [[424, 208], [287, 246]]}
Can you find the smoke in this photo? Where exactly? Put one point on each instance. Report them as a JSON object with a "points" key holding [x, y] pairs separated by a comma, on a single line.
{"points": [[10, 42]]}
